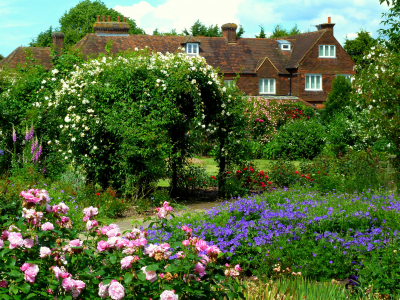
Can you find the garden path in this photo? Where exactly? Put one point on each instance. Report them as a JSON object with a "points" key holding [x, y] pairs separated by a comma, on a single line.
{"points": [[191, 207]]}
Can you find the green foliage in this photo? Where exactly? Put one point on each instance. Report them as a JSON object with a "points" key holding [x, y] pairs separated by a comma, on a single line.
{"points": [[282, 173], [393, 32], [1, 57], [261, 35], [279, 31], [240, 32], [358, 47], [198, 28], [303, 138], [171, 33], [44, 39], [338, 98], [79, 21]]}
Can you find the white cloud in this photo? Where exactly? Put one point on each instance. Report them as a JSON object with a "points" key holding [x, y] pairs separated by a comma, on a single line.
{"points": [[181, 14]]}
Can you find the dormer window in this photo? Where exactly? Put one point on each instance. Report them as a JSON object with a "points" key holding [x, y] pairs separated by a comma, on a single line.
{"points": [[192, 49], [284, 45]]}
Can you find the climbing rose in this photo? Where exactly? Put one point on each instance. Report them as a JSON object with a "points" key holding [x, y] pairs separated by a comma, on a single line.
{"points": [[116, 290], [168, 295]]}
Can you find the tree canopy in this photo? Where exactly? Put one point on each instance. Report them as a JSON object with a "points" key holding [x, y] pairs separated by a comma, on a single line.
{"points": [[392, 19], [198, 28], [79, 21], [1, 57], [279, 31], [358, 47]]}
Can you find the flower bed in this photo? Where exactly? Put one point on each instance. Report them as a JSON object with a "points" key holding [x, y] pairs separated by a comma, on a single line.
{"points": [[322, 237], [42, 256]]}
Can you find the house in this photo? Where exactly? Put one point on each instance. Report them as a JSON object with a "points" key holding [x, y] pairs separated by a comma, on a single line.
{"points": [[298, 67]]}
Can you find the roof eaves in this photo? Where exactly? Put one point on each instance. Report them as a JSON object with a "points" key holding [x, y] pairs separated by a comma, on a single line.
{"points": [[309, 49], [262, 62]]}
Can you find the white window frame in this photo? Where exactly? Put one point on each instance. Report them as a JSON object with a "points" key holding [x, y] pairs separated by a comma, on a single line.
{"points": [[191, 47], [312, 86], [326, 49], [262, 85], [348, 76], [229, 82], [286, 49]]}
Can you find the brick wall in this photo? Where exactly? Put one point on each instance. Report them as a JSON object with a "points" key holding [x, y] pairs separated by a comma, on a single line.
{"points": [[328, 67]]}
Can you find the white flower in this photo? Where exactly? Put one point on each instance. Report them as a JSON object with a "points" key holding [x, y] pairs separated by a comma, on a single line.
{"points": [[67, 119], [94, 147], [46, 98], [90, 111], [224, 89], [57, 142], [85, 101], [49, 142], [53, 79], [43, 81], [73, 139], [204, 126], [55, 71], [82, 134], [69, 151], [66, 157], [61, 126], [193, 81]]}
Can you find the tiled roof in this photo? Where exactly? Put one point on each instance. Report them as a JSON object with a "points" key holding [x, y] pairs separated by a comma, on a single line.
{"points": [[301, 45], [18, 56], [245, 56]]}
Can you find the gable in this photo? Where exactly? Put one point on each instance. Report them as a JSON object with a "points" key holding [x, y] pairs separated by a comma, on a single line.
{"points": [[312, 63]]}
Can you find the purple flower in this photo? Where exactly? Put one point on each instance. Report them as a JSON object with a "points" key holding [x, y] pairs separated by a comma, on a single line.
{"points": [[313, 254], [331, 262], [14, 135]]}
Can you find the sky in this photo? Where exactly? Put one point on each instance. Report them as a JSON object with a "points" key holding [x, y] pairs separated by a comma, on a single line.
{"points": [[23, 20]]}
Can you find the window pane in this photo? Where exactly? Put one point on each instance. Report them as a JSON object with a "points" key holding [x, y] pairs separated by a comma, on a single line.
{"points": [[195, 48], [321, 50], [271, 85], [312, 82], [261, 86], [332, 51], [189, 48], [307, 82], [318, 79]]}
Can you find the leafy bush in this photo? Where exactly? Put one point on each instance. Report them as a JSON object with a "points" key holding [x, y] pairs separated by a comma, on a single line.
{"points": [[338, 98], [43, 256], [302, 138]]}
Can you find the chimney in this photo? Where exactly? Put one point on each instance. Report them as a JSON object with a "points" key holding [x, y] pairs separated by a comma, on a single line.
{"points": [[58, 41], [111, 28], [328, 26], [229, 32], [104, 18]]}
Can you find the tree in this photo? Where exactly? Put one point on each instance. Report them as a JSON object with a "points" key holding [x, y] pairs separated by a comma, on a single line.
{"points": [[79, 21], [294, 30], [171, 33], [1, 57], [44, 39], [199, 28], [338, 98], [262, 33], [240, 32], [393, 33], [279, 31], [358, 47]]}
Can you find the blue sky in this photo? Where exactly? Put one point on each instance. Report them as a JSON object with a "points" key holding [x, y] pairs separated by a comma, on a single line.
{"points": [[22, 20]]}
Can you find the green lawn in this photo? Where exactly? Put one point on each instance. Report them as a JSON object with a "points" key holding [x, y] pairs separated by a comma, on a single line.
{"points": [[212, 168]]}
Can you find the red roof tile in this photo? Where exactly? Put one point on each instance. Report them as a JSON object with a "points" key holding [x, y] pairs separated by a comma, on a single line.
{"points": [[18, 57]]}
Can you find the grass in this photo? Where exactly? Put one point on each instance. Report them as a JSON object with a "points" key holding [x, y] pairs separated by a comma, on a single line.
{"points": [[212, 167]]}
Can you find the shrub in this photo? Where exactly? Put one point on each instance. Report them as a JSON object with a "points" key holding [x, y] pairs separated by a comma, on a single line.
{"points": [[338, 98], [302, 138], [43, 256]]}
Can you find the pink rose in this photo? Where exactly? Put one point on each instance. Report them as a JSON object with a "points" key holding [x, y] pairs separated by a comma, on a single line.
{"points": [[3, 283], [186, 243], [48, 208], [76, 243], [95, 223], [213, 250], [64, 219], [57, 272], [184, 228], [113, 232], [116, 290], [150, 275], [103, 290], [162, 213], [199, 268], [47, 226], [44, 251], [126, 262], [238, 268], [4, 235], [31, 271], [84, 219], [141, 242], [168, 295], [102, 246], [90, 211], [201, 245], [89, 225], [15, 239], [28, 243], [68, 284], [121, 243]]}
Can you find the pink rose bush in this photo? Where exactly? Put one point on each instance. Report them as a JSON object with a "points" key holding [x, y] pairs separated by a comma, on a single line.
{"points": [[55, 259]]}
